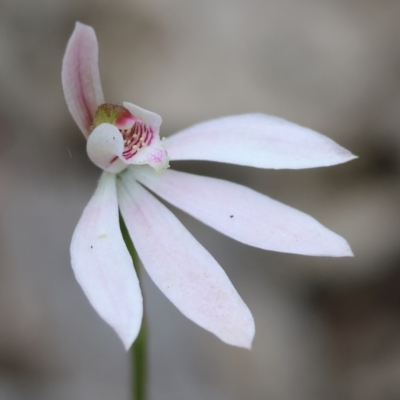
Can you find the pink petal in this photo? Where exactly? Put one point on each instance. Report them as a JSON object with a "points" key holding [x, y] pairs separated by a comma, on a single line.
{"points": [[80, 76], [256, 140], [245, 215], [105, 146], [182, 269], [103, 266]]}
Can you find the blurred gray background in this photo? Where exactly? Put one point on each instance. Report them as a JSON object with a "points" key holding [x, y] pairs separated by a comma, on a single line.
{"points": [[326, 328]]}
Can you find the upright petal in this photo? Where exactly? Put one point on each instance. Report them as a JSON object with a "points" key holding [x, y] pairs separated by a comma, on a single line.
{"points": [[103, 266], [256, 140], [244, 214], [183, 270], [80, 76]]}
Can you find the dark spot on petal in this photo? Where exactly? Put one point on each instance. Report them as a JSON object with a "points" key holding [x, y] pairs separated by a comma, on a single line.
{"points": [[91, 247], [231, 216]]}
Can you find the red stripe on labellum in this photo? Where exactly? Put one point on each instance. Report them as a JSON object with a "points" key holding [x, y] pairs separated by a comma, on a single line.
{"points": [[136, 138]]}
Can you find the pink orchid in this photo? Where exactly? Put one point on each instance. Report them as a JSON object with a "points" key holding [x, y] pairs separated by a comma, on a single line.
{"points": [[124, 141]]}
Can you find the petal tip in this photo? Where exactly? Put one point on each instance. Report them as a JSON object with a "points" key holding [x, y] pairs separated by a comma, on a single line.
{"points": [[348, 252], [343, 250], [243, 337], [126, 341], [79, 24], [81, 27], [348, 155], [339, 155], [246, 342], [129, 334]]}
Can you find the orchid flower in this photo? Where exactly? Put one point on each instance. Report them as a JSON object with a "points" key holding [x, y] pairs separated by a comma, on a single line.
{"points": [[123, 140]]}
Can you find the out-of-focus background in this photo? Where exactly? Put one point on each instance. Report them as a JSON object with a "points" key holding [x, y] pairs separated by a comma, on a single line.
{"points": [[326, 328]]}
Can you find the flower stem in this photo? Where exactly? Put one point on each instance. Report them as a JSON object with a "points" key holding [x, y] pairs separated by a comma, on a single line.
{"points": [[139, 348]]}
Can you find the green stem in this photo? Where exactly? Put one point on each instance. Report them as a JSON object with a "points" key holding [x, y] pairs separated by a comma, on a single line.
{"points": [[139, 348]]}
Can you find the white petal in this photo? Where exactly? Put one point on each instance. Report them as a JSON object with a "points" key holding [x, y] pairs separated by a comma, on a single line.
{"points": [[105, 146], [148, 117], [256, 140], [244, 214], [103, 266], [80, 76], [183, 270]]}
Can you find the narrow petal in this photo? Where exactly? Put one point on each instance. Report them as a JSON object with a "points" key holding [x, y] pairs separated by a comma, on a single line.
{"points": [[182, 269], [256, 140], [103, 266], [80, 76], [245, 215], [105, 146]]}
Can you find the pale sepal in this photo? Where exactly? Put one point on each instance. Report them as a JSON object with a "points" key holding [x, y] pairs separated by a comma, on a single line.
{"points": [[81, 77], [256, 140], [244, 214], [103, 266], [105, 146], [182, 269]]}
